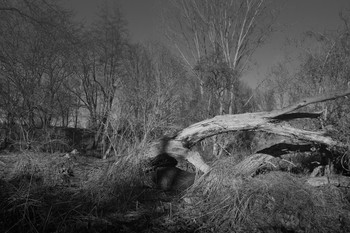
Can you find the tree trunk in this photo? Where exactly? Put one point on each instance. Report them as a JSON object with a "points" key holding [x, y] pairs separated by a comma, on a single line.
{"points": [[179, 146], [337, 180]]}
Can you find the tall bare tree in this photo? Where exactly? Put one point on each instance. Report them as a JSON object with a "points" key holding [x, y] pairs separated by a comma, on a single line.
{"points": [[229, 29], [101, 69]]}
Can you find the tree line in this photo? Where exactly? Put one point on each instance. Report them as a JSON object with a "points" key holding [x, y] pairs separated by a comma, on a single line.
{"points": [[55, 71]]}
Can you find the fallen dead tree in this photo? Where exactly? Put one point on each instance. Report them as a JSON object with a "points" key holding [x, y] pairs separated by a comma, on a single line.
{"points": [[271, 122]]}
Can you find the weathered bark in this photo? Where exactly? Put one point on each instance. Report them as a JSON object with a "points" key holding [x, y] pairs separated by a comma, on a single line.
{"points": [[269, 122], [251, 164], [337, 180]]}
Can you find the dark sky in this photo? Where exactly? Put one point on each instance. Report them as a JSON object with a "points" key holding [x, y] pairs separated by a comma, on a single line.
{"points": [[296, 17]]}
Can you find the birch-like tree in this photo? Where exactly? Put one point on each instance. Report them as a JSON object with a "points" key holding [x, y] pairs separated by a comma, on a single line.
{"points": [[219, 33]]}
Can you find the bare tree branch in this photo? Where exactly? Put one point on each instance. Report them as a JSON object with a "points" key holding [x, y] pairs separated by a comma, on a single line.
{"points": [[312, 100], [21, 13]]}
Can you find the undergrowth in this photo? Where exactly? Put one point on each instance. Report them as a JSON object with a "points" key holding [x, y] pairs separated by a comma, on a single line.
{"points": [[39, 195], [272, 202], [54, 193]]}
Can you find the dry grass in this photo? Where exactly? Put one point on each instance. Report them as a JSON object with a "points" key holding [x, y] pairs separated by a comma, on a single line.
{"points": [[50, 192], [273, 202], [38, 195]]}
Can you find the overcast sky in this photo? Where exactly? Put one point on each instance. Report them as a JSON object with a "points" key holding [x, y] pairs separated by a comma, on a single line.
{"points": [[296, 17]]}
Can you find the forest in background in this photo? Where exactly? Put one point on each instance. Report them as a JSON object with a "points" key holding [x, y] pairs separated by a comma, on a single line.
{"points": [[59, 73], [56, 72]]}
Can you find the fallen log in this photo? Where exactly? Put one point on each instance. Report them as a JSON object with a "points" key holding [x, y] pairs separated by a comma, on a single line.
{"points": [[337, 180], [272, 122]]}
